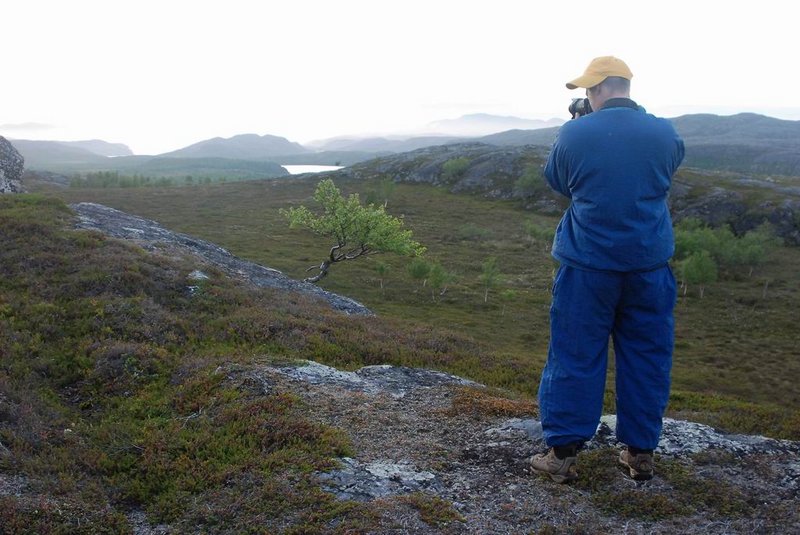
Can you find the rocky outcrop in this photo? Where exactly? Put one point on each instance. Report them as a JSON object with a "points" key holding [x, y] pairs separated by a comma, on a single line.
{"points": [[11, 166], [715, 198], [491, 170], [413, 436], [152, 236], [743, 203]]}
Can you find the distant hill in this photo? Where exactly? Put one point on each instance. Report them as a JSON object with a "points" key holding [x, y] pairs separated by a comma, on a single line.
{"points": [[49, 154], [384, 144], [243, 147], [481, 124], [541, 136], [746, 142], [462, 129], [739, 129], [100, 147]]}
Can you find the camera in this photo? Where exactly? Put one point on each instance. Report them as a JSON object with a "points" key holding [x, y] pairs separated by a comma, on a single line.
{"points": [[580, 106]]}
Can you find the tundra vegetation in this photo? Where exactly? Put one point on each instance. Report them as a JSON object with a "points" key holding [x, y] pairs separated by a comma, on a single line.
{"points": [[735, 355], [146, 413], [122, 387]]}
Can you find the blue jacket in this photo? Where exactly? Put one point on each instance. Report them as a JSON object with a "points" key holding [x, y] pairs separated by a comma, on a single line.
{"points": [[616, 166]]}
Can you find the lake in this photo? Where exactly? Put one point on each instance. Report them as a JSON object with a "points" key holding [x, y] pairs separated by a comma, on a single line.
{"points": [[300, 169]]}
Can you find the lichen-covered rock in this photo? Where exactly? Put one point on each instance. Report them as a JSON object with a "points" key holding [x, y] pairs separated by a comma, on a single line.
{"points": [[414, 440], [11, 166], [378, 479], [396, 381]]}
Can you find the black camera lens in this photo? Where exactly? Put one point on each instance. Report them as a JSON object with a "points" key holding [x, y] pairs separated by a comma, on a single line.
{"points": [[579, 106]]}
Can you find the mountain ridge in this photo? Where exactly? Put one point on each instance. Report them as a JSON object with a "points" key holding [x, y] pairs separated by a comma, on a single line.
{"points": [[241, 147], [745, 142]]}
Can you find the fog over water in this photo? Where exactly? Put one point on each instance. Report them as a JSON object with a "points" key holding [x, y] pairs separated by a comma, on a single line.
{"points": [[300, 169]]}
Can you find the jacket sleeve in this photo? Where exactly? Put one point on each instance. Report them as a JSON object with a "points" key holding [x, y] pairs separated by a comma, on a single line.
{"points": [[555, 171]]}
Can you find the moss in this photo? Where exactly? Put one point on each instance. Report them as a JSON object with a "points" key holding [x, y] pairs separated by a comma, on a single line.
{"points": [[733, 415], [702, 493], [688, 492], [433, 510], [483, 402], [19, 515]]}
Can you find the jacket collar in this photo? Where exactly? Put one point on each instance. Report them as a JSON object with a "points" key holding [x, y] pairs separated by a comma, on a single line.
{"points": [[620, 102]]}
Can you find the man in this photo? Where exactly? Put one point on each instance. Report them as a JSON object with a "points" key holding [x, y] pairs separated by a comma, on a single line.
{"points": [[613, 243]]}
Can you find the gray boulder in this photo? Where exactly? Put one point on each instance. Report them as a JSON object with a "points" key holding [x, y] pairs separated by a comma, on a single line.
{"points": [[11, 165]]}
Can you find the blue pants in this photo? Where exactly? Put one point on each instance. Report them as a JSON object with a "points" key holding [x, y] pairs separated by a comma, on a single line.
{"points": [[635, 309]]}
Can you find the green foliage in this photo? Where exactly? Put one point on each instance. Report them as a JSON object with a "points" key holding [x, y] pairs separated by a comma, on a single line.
{"points": [[112, 179], [166, 178], [454, 169], [356, 229], [438, 279], [381, 268], [382, 192], [704, 254], [531, 183], [472, 232], [539, 234], [699, 268], [490, 276], [725, 248], [419, 269]]}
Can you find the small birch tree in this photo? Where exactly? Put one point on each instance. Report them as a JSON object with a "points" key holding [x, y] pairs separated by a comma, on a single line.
{"points": [[490, 276], [356, 230]]}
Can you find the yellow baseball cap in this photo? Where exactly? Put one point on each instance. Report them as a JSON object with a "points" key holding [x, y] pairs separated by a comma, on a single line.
{"points": [[600, 69]]}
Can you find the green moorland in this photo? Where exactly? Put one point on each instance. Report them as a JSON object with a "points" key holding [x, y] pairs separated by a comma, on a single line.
{"points": [[120, 390], [736, 357]]}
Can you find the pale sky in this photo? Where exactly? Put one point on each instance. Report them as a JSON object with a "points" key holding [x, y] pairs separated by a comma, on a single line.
{"points": [[160, 75]]}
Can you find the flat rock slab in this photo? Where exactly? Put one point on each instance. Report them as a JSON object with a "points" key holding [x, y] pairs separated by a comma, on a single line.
{"points": [[378, 479], [396, 381], [148, 234]]}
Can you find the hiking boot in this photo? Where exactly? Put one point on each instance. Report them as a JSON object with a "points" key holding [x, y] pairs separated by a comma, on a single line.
{"points": [[560, 470], [640, 466]]}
